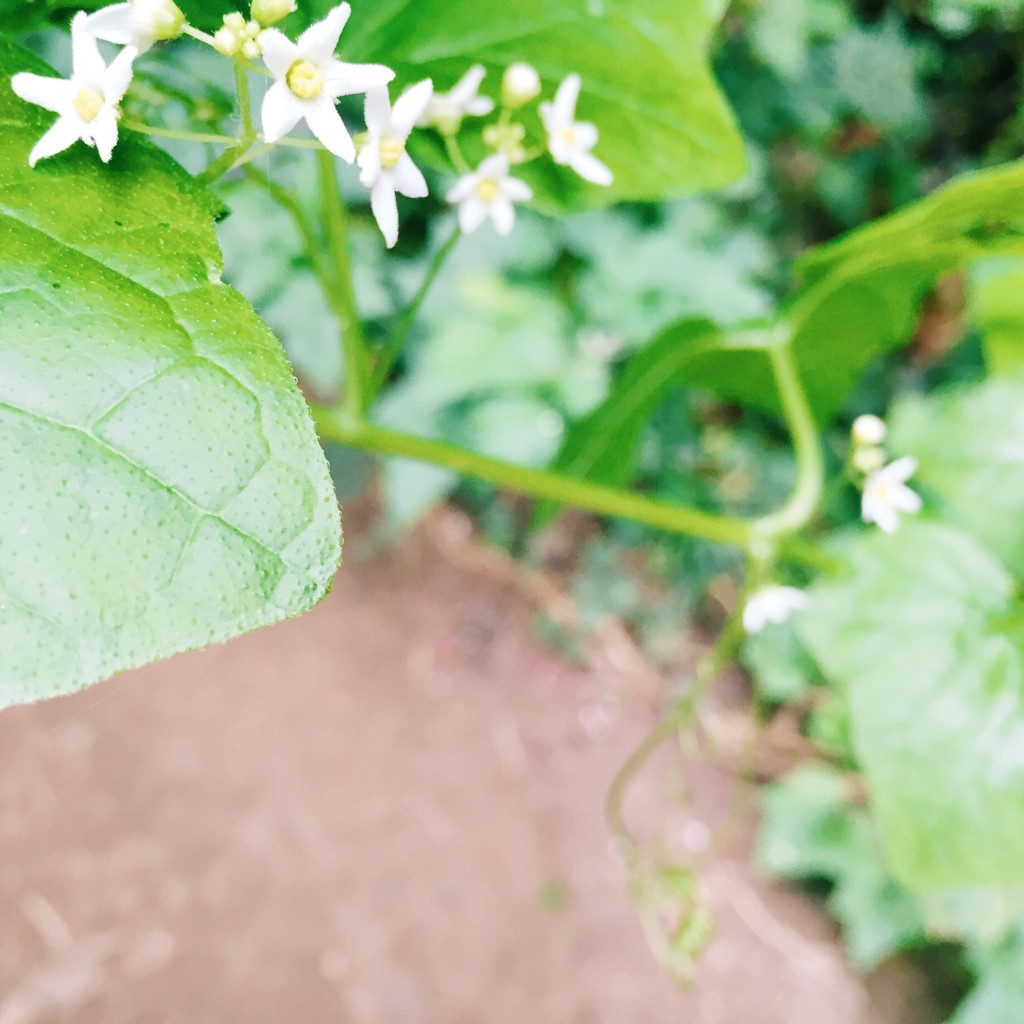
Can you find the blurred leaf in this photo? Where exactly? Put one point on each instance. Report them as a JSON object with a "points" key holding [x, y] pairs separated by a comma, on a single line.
{"points": [[863, 292], [603, 446], [923, 634], [997, 307], [779, 663], [163, 484], [969, 443]]}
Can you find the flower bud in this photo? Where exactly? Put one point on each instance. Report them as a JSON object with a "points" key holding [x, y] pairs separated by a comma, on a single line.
{"points": [[235, 22], [868, 430], [507, 139], [867, 460], [227, 42], [164, 19], [520, 85], [252, 50], [270, 12]]}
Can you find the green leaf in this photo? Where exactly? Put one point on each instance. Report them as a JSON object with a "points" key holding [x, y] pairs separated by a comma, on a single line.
{"points": [[862, 293], [603, 446], [996, 288], [923, 634], [163, 486], [665, 127], [967, 441]]}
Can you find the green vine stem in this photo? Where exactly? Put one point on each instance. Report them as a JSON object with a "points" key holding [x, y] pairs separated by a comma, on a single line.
{"points": [[390, 353], [341, 293]]}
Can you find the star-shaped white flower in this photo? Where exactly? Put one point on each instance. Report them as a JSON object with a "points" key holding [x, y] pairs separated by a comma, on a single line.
{"points": [[385, 166], [138, 23], [886, 494], [309, 80], [771, 604], [489, 192], [570, 141], [87, 102], [447, 109]]}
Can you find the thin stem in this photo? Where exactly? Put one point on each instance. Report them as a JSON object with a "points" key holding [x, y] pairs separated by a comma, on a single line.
{"points": [[454, 151], [230, 157], [810, 481], [390, 353], [342, 294], [679, 714], [176, 133], [336, 425], [189, 30]]}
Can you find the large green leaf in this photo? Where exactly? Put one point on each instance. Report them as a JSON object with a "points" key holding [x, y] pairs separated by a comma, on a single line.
{"points": [[923, 632], [665, 128], [969, 443], [862, 294], [163, 487]]}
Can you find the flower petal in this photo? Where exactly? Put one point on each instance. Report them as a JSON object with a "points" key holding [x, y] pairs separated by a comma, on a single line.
{"points": [[378, 112], [408, 179], [409, 108], [87, 63], [517, 190], [279, 52], [385, 209], [549, 118], [479, 106], [66, 132], [319, 41], [53, 94], [342, 79], [119, 76], [463, 91], [462, 189], [104, 133], [753, 616], [369, 165], [472, 213], [589, 168], [904, 499], [900, 470], [495, 166], [326, 124], [281, 112], [586, 134], [116, 24], [503, 214], [566, 98]]}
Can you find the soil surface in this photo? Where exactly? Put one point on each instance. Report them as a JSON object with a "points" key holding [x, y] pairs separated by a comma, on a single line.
{"points": [[386, 812]]}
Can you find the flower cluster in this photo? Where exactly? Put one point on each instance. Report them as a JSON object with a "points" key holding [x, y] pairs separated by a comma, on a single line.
{"points": [[307, 80], [885, 491]]}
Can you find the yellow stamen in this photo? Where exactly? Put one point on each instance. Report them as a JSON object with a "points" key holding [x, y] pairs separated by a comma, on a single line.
{"points": [[88, 103], [305, 80], [488, 190], [568, 136], [391, 151]]}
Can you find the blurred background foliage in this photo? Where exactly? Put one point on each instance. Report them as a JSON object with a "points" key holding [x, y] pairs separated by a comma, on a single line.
{"points": [[848, 111]]}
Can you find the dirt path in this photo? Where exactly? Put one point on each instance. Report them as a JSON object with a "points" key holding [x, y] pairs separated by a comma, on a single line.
{"points": [[387, 812]]}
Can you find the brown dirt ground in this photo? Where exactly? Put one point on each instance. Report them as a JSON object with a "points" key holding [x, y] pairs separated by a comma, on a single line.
{"points": [[386, 812]]}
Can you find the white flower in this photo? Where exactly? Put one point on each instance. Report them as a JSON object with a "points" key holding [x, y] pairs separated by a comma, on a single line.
{"points": [[868, 430], [309, 79], [385, 166], [447, 109], [885, 494], [87, 102], [139, 23], [520, 85], [771, 604], [489, 192], [570, 141]]}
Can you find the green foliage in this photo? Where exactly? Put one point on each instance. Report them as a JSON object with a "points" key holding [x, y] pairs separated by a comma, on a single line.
{"points": [[646, 81], [921, 633], [996, 288], [968, 444], [164, 488]]}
